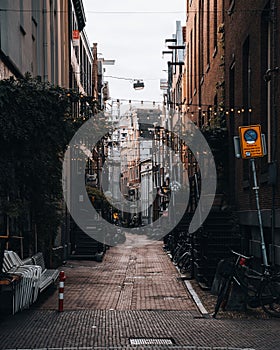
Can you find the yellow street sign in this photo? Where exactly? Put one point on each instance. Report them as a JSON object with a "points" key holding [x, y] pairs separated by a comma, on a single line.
{"points": [[251, 141]]}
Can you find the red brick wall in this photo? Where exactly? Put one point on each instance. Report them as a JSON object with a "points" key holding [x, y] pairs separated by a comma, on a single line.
{"points": [[204, 55], [245, 23]]}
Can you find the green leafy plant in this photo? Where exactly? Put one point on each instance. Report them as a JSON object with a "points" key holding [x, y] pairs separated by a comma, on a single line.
{"points": [[36, 124]]}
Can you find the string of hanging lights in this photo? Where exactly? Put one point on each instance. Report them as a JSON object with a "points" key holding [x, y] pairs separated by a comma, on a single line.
{"points": [[193, 109], [213, 110]]}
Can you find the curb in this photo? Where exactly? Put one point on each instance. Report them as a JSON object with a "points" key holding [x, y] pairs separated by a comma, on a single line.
{"points": [[196, 299], [194, 295]]}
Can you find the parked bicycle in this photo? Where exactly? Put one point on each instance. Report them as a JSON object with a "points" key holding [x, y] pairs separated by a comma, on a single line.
{"points": [[261, 289], [183, 257]]}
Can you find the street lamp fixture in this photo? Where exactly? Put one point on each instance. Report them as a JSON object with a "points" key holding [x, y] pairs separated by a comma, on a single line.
{"points": [[138, 85]]}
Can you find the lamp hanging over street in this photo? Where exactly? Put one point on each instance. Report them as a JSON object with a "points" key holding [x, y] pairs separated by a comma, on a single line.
{"points": [[138, 85]]}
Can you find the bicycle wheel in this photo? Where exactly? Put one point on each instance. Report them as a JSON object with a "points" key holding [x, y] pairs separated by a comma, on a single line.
{"points": [[184, 258], [270, 296], [185, 264], [179, 251], [223, 295]]}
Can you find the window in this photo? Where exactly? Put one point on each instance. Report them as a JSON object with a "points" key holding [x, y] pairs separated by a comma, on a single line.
{"points": [[195, 53], [201, 41], [246, 80], [191, 65], [246, 72], [267, 93], [232, 97], [208, 34], [215, 27], [188, 70], [232, 173]]}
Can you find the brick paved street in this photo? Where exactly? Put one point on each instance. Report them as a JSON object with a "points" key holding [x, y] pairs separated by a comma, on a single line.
{"points": [[134, 293], [136, 276]]}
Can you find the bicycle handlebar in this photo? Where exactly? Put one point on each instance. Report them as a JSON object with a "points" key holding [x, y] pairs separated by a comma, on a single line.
{"points": [[241, 255]]}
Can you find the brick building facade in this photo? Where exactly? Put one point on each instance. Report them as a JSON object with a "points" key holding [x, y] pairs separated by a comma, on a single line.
{"points": [[252, 96], [230, 79], [204, 60]]}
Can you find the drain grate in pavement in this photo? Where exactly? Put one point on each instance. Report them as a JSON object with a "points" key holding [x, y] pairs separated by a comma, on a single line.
{"points": [[151, 341], [141, 347]]}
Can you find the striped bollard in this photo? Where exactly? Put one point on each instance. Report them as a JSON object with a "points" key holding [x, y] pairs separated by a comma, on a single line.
{"points": [[62, 278]]}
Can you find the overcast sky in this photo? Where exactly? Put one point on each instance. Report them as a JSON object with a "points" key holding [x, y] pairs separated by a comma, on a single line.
{"points": [[133, 33]]}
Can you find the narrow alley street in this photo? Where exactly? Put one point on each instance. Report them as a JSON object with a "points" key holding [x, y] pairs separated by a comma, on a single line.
{"points": [[127, 121], [134, 299]]}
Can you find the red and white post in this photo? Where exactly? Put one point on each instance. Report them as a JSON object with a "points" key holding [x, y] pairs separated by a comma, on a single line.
{"points": [[62, 278]]}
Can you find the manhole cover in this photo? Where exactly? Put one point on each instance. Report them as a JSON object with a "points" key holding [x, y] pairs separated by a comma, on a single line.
{"points": [[151, 341]]}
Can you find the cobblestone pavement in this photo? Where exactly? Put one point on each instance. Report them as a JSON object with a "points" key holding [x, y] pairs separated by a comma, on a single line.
{"points": [[135, 296], [135, 276]]}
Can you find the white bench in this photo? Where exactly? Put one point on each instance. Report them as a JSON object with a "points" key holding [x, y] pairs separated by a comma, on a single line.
{"points": [[34, 278], [48, 276], [26, 291]]}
